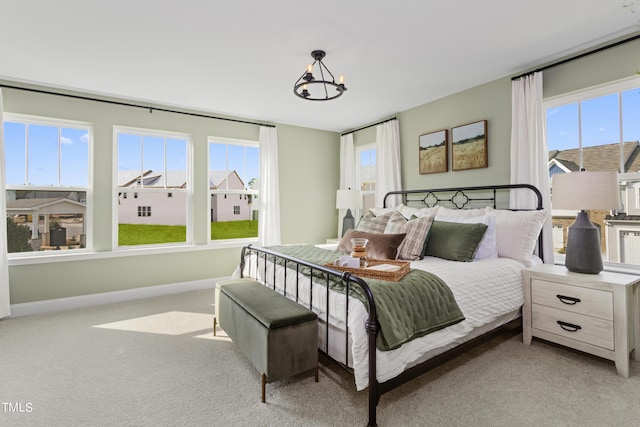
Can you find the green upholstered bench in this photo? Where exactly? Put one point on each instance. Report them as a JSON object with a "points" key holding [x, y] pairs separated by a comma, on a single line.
{"points": [[279, 336]]}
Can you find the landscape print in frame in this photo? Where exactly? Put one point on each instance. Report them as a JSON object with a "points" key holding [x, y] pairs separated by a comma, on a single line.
{"points": [[469, 146], [433, 152]]}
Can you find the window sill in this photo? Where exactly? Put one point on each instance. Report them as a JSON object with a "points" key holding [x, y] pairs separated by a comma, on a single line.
{"points": [[126, 252]]}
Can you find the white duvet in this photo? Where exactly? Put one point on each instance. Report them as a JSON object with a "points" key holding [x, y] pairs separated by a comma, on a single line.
{"points": [[489, 293]]}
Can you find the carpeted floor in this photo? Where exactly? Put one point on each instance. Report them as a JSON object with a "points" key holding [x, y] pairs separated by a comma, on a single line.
{"points": [[154, 362]]}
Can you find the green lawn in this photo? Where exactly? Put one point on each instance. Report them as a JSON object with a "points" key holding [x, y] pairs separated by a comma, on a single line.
{"points": [[144, 234]]}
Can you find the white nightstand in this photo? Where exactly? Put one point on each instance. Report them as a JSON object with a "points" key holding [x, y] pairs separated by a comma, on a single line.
{"points": [[595, 313]]}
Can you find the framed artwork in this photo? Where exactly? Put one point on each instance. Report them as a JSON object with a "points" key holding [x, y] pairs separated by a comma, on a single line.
{"points": [[433, 152], [469, 146]]}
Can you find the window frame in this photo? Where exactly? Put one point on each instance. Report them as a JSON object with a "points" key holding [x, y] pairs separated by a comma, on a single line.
{"points": [[358, 152], [28, 119], [578, 96], [188, 190], [210, 192]]}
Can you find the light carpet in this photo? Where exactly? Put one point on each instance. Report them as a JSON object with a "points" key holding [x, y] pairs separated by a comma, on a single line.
{"points": [[154, 362]]}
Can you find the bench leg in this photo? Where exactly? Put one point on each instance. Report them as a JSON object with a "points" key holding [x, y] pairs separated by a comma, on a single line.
{"points": [[316, 374], [214, 326], [264, 381]]}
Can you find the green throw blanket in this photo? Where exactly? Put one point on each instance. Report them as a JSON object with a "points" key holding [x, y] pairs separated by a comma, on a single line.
{"points": [[420, 303]]}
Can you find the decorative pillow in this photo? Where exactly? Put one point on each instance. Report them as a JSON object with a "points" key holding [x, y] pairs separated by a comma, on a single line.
{"points": [[416, 230], [454, 241], [466, 213], [517, 233], [380, 246], [488, 247], [409, 212], [382, 211], [374, 224]]}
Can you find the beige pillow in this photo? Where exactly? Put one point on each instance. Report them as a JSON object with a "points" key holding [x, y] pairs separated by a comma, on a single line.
{"points": [[380, 246], [416, 230]]}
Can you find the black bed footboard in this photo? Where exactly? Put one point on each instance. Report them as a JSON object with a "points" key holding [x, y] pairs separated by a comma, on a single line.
{"points": [[287, 262]]}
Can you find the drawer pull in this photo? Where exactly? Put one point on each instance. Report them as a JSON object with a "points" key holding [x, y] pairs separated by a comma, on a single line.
{"points": [[568, 300], [569, 327]]}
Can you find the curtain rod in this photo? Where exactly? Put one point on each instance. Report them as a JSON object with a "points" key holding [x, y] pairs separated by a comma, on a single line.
{"points": [[127, 104], [582, 55], [368, 126]]}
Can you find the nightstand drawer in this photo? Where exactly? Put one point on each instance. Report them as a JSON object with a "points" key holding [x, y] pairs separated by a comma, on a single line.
{"points": [[579, 327], [575, 299]]}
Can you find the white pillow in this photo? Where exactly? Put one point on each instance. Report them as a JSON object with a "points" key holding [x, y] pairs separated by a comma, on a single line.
{"points": [[488, 246], [517, 233], [465, 213], [409, 212]]}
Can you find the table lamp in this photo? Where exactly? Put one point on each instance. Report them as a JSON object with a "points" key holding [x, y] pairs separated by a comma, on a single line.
{"points": [[348, 199], [585, 190]]}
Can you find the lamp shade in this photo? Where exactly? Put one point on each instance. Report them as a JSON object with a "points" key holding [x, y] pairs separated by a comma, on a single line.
{"points": [[349, 199], [586, 190]]}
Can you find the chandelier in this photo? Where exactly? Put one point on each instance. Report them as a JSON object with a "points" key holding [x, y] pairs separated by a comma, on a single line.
{"points": [[322, 89]]}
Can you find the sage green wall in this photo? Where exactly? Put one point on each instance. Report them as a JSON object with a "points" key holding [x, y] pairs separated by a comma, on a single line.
{"points": [[603, 67], [490, 101], [307, 187]]}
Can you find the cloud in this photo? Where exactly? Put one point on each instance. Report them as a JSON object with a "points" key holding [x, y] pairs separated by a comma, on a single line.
{"points": [[66, 141]]}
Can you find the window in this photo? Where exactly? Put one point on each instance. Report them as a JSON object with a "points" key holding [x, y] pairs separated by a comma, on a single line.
{"points": [[48, 184], [598, 129], [155, 164], [234, 171], [366, 174]]}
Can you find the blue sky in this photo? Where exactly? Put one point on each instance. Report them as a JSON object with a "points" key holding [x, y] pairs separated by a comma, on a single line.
{"points": [[600, 121], [43, 148], [600, 125]]}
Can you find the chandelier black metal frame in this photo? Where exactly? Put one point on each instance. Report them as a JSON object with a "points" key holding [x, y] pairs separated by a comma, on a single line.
{"points": [[324, 87]]}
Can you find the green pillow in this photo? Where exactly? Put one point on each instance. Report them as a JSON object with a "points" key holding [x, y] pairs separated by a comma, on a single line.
{"points": [[454, 241]]}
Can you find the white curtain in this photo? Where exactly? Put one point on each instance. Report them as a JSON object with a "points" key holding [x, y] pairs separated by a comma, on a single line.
{"points": [[529, 154], [269, 213], [5, 306], [347, 172], [388, 162]]}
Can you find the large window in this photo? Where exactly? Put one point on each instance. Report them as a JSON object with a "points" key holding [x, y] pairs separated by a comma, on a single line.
{"points": [[234, 173], [366, 174], [599, 129], [48, 184], [153, 188]]}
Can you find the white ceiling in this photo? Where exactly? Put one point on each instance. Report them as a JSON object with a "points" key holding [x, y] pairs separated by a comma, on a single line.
{"points": [[242, 57]]}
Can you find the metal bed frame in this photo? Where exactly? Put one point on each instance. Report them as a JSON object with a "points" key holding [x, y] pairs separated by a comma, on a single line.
{"points": [[455, 197]]}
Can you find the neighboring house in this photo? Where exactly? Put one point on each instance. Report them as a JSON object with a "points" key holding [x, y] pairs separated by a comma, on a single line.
{"points": [[619, 233], [168, 208], [68, 213]]}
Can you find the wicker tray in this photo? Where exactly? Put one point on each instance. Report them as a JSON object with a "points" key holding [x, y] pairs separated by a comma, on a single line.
{"points": [[392, 276]]}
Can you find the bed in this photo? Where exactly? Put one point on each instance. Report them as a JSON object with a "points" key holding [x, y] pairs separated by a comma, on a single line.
{"points": [[485, 282]]}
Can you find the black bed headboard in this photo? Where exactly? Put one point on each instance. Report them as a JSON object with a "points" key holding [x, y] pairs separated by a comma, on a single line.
{"points": [[468, 197], [464, 197]]}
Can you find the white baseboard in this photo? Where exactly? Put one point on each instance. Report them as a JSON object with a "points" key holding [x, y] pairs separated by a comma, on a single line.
{"points": [[81, 301]]}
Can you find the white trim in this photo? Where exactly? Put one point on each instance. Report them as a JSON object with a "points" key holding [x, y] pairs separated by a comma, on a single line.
{"points": [[82, 301], [86, 255], [608, 88]]}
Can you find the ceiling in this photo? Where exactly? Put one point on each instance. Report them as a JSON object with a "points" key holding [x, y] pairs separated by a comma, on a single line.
{"points": [[242, 57]]}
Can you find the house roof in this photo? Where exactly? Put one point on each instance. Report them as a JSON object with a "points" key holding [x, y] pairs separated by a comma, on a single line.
{"points": [[34, 204], [600, 157], [174, 179]]}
